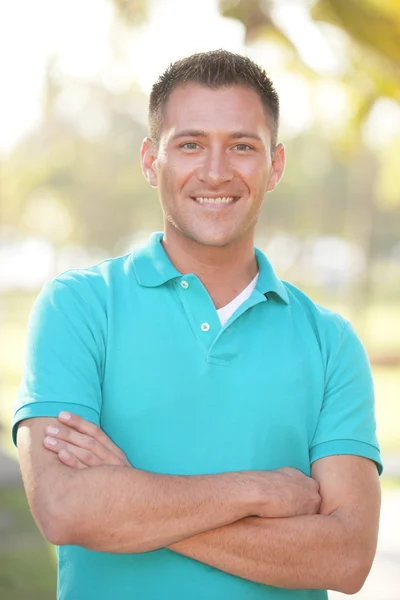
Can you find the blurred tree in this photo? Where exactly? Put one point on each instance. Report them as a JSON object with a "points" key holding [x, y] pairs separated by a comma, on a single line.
{"points": [[77, 177], [373, 27]]}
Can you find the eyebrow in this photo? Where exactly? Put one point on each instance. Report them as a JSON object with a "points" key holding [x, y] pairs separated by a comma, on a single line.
{"points": [[237, 135], [200, 133]]}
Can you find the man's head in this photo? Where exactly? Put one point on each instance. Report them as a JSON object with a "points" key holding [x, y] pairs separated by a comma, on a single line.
{"points": [[212, 151], [215, 70]]}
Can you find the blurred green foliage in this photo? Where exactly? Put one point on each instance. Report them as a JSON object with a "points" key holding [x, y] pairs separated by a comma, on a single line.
{"points": [[372, 28], [85, 166], [27, 562]]}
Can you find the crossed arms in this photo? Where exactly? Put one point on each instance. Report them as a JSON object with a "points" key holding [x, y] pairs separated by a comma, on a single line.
{"points": [[278, 528]]}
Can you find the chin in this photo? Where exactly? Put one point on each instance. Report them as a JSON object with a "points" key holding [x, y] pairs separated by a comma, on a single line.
{"points": [[216, 241]]}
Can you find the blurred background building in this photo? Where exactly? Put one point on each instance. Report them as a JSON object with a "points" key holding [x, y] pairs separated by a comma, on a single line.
{"points": [[75, 77]]}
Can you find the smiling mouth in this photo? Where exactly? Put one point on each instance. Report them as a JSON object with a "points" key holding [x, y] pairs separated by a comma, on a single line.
{"points": [[220, 200]]}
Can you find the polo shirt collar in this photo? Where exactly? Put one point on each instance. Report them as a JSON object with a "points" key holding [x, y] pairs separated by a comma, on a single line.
{"points": [[268, 281], [151, 263], [153, 268]]}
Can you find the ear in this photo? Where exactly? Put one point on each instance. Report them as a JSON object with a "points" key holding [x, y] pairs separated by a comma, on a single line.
{"points": [[148, 159], [277, 168]]}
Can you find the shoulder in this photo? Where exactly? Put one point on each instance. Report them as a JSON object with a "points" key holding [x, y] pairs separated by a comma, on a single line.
{"points": [[331, 330], [320, 318], [82, 295], [95, 281], [338, 342]]}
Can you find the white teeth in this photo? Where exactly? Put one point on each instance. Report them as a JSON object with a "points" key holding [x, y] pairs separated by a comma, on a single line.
{"points": [[224, 200]]}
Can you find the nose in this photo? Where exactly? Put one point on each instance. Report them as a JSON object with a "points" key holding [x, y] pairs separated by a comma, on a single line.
{"points": [[215, 169]]}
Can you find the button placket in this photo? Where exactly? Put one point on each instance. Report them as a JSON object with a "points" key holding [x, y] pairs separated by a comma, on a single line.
{"points": [[256, 298], [199, 309]]}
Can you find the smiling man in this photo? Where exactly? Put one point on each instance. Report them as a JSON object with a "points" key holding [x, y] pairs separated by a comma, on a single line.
{"points": [[189, 426]]}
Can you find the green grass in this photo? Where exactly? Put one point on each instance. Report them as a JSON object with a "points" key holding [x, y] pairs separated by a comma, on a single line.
{"points": [[27, 562]]}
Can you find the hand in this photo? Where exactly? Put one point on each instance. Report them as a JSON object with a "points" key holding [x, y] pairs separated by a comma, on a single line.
{"points": [[285, 492], [81, 444]]}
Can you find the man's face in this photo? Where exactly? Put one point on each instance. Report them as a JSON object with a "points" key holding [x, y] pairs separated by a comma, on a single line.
{"points": [[213, 164]]}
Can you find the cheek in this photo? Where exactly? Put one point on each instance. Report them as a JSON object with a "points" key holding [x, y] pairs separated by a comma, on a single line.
{"points": [[254, 175], [251, 167], [176, 173]]}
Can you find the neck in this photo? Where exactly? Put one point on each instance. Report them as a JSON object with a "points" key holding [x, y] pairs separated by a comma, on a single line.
{"points": [[224, 271]]}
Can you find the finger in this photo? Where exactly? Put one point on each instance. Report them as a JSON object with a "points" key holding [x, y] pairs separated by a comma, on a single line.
{"points": [[50, 444], [88, 428], [66, 457], [84, 456], [80, 440], [87, 449], [70, 460]]}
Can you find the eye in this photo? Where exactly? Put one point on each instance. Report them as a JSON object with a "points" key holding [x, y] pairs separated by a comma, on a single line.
{"points": [[243, 147], [189, 146]]}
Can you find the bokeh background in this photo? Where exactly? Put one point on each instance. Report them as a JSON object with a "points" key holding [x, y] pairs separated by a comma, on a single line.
{"points": [[75, 77]]}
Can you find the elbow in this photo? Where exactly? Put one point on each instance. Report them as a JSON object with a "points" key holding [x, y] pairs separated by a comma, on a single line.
{"points": [[56, 533], [53, 523], [351, 585], [353, 575]]}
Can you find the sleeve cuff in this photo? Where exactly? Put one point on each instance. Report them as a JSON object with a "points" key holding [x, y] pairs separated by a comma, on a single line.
{"points": [[51, 409], [336, 447]]}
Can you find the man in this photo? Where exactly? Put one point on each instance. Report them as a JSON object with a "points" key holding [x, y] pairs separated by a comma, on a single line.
{"points": [[189, 426]]}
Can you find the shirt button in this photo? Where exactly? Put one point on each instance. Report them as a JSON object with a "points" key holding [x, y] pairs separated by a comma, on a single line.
{"points": [[184, 284], [205, 326]]}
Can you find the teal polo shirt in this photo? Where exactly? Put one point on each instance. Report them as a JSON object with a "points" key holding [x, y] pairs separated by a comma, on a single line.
{"points": [[137, 347]]}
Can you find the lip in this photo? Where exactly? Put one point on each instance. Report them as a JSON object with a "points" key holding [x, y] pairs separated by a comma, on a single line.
{"points": [[211, 195]]}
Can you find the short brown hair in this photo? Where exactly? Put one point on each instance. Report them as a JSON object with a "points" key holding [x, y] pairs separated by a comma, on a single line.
{"points": [[215, 69]]}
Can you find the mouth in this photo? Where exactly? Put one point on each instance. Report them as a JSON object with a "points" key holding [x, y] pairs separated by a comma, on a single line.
{"points": [[214, 202]]}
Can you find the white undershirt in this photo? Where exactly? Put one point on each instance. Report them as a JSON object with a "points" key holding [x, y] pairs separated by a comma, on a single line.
{"points": [[225, 312]]}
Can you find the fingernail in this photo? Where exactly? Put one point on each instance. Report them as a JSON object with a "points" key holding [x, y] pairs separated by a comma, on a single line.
{"points": [[52, 430], [64, 416], [50, 441]]}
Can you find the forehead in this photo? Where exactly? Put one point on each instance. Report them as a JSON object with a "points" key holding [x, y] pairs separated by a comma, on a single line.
{"points": [[226, 109]]}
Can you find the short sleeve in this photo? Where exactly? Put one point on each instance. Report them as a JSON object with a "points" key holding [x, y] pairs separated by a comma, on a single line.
{"points": [[64, 358], [346, 423]]}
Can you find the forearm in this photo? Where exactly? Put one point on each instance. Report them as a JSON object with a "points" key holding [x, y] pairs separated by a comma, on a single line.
{"points": [[310, 552], [125, 510]]}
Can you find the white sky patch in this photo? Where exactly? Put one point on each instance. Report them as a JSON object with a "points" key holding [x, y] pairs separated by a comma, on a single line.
{"points": [[383, 124], [32, 32], [295, 102], [82, 40], [331, 105], [23, 50], [269, 55], [293, 18], [178, 28]]}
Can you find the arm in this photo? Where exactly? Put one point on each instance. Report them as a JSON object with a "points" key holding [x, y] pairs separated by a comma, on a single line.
{"points": [[140, 511], [155, 510], [331, 550]]}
